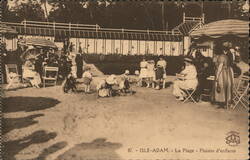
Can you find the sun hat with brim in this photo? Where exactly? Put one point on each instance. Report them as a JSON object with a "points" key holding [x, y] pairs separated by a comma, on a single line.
{"points": [[111, 79], [188, 60]]}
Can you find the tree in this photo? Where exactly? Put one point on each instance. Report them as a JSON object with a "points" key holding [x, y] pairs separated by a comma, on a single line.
{"points": [[44, 3], [29, 10]]}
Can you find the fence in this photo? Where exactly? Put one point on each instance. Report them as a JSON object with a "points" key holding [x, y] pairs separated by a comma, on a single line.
{"points": [[94, 39]]}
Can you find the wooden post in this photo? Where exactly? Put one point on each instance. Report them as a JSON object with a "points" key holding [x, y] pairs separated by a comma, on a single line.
{"points": [[183, 16], [54, 28], [69, 28], [24, 28], [203, 18]]}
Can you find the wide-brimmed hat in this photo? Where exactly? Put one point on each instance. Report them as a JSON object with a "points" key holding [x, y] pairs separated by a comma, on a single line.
{"points": [[111, 79], [188, 60]]}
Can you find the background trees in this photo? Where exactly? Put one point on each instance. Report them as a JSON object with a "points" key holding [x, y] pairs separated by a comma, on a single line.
{"points": [[123, 14]]}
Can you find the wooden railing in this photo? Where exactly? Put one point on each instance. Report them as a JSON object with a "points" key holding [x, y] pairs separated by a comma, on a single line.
{"points": [[79, 27]]}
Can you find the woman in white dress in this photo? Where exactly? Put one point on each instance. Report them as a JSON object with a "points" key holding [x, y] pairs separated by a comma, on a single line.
{"points": [[30, 74], [143, 72]]}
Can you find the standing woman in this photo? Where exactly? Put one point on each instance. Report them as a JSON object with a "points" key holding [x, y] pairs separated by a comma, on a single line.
{"points": [[223, 86]]}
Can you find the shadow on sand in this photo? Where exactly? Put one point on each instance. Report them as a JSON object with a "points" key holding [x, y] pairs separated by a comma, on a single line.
{"points": [[11, 148], [97, 149], [28, 104], [17, 123], [51, 149]]}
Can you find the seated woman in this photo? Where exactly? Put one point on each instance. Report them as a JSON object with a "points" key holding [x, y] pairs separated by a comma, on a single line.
{"points": [[30, 75], [187, 79], [205, 85]]}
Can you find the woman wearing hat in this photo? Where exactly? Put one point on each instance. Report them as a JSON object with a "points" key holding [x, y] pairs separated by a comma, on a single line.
{"points": [[187, 79], [224, 79]]}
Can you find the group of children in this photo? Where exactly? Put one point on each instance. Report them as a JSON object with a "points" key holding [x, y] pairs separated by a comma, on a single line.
{"points": [[70, 82], [152, 74], [110, 86]]}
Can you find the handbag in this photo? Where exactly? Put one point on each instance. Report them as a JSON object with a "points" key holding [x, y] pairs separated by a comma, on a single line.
{"points": [[218, 88]]}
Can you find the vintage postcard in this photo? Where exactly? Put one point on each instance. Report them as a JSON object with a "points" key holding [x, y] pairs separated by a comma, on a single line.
{"points": [[124, 80]]}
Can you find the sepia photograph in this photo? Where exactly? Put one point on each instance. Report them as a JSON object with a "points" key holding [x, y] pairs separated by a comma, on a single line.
{"points": [[124, 80]]}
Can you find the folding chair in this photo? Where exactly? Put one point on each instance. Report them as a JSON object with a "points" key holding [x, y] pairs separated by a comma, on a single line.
{"points": [[190, 95], [50, 75], [241, 92]]}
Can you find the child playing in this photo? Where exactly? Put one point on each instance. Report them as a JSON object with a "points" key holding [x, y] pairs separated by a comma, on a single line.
{"points": [[87, 78], [69, 84], [159, 75], [151, 73], [124, 84]]}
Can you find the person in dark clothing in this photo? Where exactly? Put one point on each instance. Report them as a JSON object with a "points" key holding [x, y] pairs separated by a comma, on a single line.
{"points": [[79, 65], [199, 60], [159, 72], [39, 65], [69, 84], [229, 55], [3, 56]]}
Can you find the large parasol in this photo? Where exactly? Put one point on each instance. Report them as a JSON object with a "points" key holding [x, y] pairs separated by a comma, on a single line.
{"points": [[222, 28], [39, 42]]}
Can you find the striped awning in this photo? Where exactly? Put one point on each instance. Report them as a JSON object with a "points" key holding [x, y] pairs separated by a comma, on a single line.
{"points": [[222, 28], [39, 42], [4, 29]]}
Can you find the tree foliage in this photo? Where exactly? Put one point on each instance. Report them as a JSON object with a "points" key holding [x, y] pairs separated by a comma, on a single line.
{"points": [[123, 14]]}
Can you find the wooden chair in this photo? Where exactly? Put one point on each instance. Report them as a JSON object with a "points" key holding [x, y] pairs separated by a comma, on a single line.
{"points": [[50, 75]]}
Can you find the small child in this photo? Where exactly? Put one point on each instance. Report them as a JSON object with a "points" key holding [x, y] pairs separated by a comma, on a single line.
{"points": [[87, 78], [102, 90], [124, 84], [69, 84], [159, 74], [137, 78]]}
